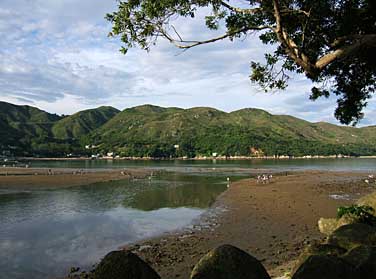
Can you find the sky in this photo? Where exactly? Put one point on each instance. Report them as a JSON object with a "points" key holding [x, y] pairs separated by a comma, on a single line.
{"points": [[56, 55]]}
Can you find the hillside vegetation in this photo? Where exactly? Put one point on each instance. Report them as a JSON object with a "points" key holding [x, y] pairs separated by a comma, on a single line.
{"points": [[151, 131], [24, 127], [83, 122], [29, 131]]}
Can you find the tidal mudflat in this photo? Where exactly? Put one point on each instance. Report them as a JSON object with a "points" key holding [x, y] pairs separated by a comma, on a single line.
{"points": [[273, 222]]}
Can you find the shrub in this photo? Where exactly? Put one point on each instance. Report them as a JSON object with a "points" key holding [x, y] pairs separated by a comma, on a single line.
{"points": [[363, 213]]}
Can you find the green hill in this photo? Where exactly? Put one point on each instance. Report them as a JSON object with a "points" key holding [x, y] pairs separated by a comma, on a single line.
{"points": [[174, 132], [153, 131], [26, 130], [83, 122], [19, 124], [26, 119]]}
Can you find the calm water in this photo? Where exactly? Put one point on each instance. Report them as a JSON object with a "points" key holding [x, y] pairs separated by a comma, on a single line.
{"points": [[44, 233], [344, 164]]}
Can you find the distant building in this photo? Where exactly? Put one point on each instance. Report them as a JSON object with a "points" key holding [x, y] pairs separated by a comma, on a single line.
{"points": [[91, 146], [256, 152]]}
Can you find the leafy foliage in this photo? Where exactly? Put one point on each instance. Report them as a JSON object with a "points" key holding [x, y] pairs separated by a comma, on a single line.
{"points": [[365, 214], [331, 41]]}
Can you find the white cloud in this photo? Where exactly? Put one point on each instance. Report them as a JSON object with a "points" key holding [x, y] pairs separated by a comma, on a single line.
{"points": [[56, 55]]}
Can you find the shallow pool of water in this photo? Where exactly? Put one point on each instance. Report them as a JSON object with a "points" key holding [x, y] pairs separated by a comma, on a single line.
{"points": [[44, 233]]}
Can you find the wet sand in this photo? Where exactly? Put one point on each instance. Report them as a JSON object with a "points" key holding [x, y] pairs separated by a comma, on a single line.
{"points": [[43, 178], [273, 222]]}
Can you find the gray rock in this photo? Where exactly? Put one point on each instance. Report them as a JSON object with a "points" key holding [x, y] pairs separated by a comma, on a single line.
{"points": [[328, 225], [363, 258], [325, 249], [325, 267], [124, 265], [319, 249], [352, 235], [369, 200], [229, 262]]}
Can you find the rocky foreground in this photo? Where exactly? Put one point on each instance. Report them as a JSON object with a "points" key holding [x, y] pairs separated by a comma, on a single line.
{"points": [[273, 232], [348, 253]]}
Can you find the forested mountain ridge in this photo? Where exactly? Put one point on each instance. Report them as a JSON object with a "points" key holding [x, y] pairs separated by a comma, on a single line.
{"points": [[26, 130], [152, 131], [83, 122], [18, 124], [198, 131]]}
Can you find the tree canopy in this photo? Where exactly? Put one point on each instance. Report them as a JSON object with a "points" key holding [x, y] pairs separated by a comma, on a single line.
{"points": [[331, 41]]}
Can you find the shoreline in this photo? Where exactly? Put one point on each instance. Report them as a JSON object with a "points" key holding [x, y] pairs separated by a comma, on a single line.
{"points": [[12, 178], [272, 222], [207, 158]]}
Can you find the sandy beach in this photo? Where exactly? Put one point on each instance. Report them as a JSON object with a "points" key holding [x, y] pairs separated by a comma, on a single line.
{"points": [[43, 178], [273, 222]]}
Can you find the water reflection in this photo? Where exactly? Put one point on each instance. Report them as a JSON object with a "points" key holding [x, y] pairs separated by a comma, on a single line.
{"points": [[43, 233], [174, 196], [340, 164]]}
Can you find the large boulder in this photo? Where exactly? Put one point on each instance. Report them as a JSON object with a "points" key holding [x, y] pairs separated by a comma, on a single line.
{"points": [[123, 265], [363, 258], [325, 267], [325, 250], [328, 225], [318, 249], [229, 262], [368, 200], [350, 236]]}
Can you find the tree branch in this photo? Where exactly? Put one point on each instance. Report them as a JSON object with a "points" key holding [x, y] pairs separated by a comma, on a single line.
{"points": [[240, 10], [183, 44], [290, 46], [362, 42], [289, 11], [342, 40]]}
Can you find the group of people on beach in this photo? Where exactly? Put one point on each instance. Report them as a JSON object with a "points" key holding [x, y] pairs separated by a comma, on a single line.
{"points": [[79, 172], [264, 178], [370, 179]]}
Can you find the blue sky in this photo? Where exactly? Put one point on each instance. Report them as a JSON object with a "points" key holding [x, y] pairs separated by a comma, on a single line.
{"points": [[56, 55]]}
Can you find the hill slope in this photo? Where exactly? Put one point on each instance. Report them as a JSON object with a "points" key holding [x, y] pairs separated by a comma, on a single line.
{"points": [[26, 130], [153, 131], [83, 122], [20, 123], [174, 132]]}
